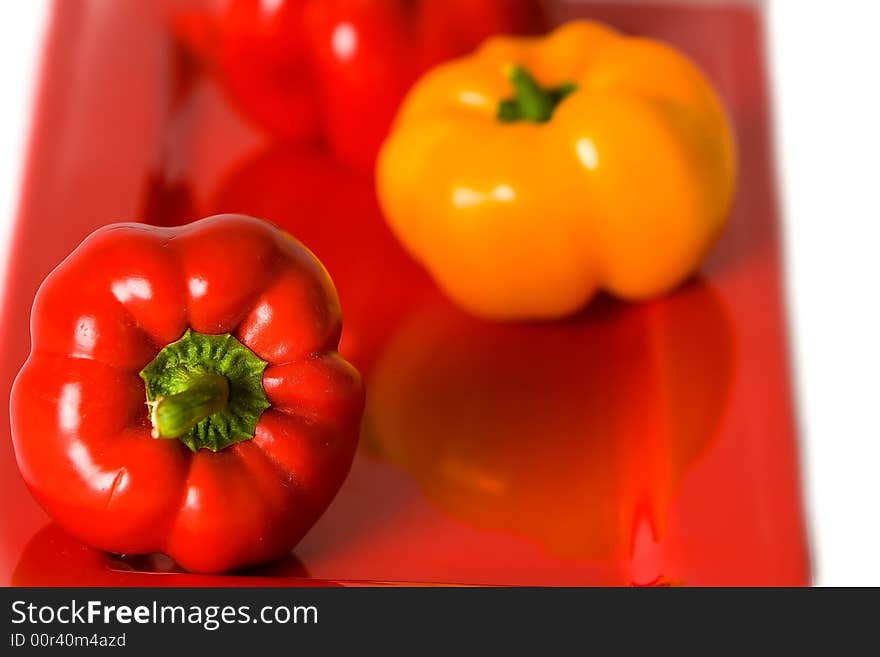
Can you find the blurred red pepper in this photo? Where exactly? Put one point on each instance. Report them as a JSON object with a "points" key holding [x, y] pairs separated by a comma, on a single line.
{"points": [[339, 68], [227, 329]]}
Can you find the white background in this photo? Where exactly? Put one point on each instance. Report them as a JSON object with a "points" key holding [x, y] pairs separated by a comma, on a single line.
{"points": [[825, 60]]}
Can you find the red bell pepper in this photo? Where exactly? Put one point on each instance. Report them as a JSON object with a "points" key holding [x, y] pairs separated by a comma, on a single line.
{"points": [[303, 68], [184, 394]]}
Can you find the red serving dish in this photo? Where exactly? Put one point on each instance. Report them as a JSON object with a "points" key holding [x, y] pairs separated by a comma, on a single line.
{"points": [[633, 444]]}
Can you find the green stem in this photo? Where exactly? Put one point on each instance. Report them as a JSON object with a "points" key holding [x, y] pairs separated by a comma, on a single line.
{"points": [[206, 391], [177, 414], [530, 101], [534, 103]]}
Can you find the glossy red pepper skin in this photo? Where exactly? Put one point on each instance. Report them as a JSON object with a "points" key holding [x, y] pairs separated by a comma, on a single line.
{"points": [[260, 53], [338, 69], [80, 424]]}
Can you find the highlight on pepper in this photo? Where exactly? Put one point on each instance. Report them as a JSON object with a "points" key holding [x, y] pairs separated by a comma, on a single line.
{"points": [[535, 173], [184, 393]]}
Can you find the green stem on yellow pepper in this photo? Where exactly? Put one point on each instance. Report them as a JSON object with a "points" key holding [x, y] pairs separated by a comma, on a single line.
{"points": [[531, 101]]}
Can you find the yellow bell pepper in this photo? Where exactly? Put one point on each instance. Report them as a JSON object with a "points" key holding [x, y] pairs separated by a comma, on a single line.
{"points": [[537, 171]]}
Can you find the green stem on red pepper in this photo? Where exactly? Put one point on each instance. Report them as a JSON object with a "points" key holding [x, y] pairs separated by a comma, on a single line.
{"points": [[177, 414], [206, 391]]}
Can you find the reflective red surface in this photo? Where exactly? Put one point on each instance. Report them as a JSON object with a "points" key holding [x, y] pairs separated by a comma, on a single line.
{"points": [[632, 444]]}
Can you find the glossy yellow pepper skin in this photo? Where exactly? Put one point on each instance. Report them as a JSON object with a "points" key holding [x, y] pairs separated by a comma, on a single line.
{"points": [[622, 186]]}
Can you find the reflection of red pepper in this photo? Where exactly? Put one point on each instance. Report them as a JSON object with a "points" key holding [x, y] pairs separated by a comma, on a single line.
{"points": [[574, 434], [334, 210], [54, 558], [228, 330], [360, 55]]}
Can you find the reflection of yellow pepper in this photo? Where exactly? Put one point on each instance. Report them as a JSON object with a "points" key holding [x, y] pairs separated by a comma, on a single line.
{"points": [[570, 434], [537, 171]]}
